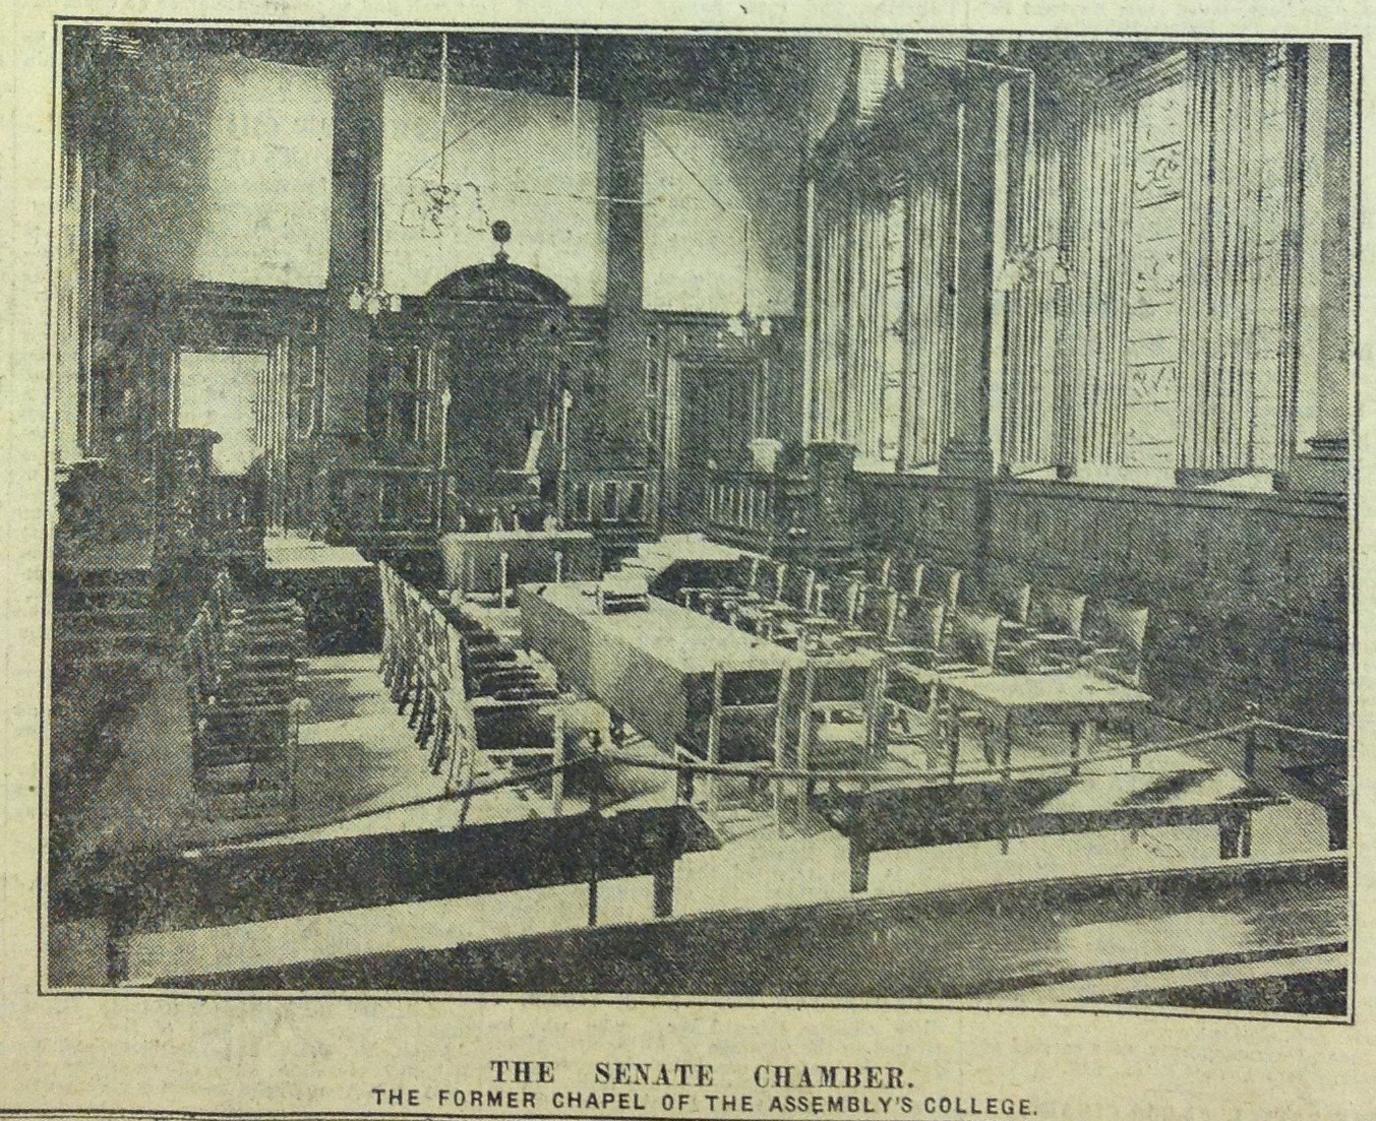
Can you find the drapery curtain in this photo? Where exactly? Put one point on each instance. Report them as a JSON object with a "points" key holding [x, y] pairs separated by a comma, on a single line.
{"points": [[1031, 366], [72, 304], [1220, 293], [928, 254], [1099, 216], [852, 332]]}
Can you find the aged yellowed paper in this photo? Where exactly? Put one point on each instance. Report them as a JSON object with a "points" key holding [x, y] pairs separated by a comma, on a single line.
{"points": [[712, 562]]}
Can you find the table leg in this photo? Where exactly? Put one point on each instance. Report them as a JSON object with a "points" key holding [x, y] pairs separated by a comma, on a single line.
{"points": [[1337, 826], [952, 733], [664, 890], [1007, 762], [859, 863], [1230, 836], [1076, 731]]}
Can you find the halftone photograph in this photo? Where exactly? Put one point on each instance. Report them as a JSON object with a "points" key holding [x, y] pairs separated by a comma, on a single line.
{"points": [[701, 516]]}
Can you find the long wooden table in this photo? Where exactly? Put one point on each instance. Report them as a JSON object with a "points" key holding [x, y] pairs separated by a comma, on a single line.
{"points": [[652, 668]]}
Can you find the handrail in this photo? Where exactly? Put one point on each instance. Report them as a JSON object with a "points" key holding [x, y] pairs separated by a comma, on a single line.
{"points": [[1277, 726], [763, 771], [838, 775]]}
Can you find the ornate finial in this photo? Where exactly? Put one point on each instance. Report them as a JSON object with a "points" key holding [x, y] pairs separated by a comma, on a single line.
{"points": [[501, 234]]}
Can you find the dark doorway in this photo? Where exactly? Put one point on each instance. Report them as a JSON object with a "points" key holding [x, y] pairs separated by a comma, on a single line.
{"points": [[716, 411]]}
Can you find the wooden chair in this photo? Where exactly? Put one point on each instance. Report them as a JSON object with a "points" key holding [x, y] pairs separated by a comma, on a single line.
{"points": [[243, 707], [1011, 598], [1055, 628], [907, 576], [966, 647], [792, 601], [766, 580], [879, 569], [744, 723], [940, 583], [865, 618], [843, 721], [1115, 638], [704, 597]]}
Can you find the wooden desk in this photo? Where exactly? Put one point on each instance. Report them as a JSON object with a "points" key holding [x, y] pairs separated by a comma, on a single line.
{"points": [[653, 668], [472, 561], [1070, 699]]}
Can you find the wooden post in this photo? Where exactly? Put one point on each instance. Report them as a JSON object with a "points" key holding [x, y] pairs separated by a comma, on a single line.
{"points": [[1076, 730], [878, 710], [1337, 826], [664, 888], [556, 782], [805, 738], [502, 561], [1230, 836], [951, 723], [1007, 781], [558, 566], [595, 817], [714, 743], [859, 844], [780, 737], [120, 920], [1249, 744]]}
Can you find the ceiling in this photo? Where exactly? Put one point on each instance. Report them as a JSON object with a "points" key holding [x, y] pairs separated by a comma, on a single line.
{"points": [[702, 71]]}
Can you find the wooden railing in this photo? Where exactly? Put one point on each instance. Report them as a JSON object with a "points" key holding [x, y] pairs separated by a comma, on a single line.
{"points": [[377, 503], [742, 509], [236, 511]]}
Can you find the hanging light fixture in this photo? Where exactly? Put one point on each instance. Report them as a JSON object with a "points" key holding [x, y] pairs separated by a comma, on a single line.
{"points": [[429, 204], [373, 297], [744, 326]]}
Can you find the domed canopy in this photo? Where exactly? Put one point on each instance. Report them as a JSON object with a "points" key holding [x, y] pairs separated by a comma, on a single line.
{"points": [[498, 282]]}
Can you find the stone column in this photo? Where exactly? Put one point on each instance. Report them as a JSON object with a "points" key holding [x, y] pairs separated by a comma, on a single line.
{"points": [[1326, 264], [968, 451], [357, 162], [621, 152]]}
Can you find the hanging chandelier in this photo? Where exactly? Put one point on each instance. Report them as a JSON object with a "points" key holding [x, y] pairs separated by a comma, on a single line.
{"points": [[429, 204], [744, 326]]}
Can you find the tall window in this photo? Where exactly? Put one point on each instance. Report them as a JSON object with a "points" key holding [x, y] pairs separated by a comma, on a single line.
{"points": [[307, 388], [884, 252], [1169, 274]]}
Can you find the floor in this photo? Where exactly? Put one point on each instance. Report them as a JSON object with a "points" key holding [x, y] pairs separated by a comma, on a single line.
{"points": [[358, 759]]}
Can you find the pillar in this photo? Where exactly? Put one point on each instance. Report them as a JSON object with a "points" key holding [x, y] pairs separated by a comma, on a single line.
{"points": [[357, 86], [621, 156], [968, 452], [1325, 358]]}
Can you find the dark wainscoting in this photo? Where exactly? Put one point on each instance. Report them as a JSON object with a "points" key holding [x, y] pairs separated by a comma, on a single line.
{"points": [[1249, 592]]}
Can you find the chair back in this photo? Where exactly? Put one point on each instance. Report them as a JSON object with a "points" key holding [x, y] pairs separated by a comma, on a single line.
{"points": [[1058, 611], [907, 577], [874, 610], [940, 582], [769, 579], [919, 622], [879, 569], [1118, 633], [795, 588], [1011, 598], [974, 637]]}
